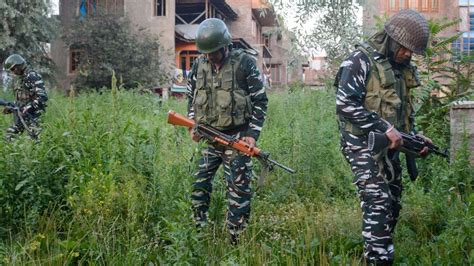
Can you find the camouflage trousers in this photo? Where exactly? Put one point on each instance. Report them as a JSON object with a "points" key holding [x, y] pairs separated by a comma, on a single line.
{"points": [[379, 186], [31, 121], [237, 174]]}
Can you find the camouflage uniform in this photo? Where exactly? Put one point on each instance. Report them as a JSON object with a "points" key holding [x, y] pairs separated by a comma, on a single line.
{"points": [[373, 92], [30, 95], [244, 82]]}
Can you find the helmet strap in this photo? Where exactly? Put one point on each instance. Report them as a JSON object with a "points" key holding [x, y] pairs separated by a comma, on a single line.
{"points": [[393, 49]]}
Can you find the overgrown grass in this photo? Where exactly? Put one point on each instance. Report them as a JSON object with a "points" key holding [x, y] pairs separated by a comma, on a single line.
{"points": [[110, 181]]}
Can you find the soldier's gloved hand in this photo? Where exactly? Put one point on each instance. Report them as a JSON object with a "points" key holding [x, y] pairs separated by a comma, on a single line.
{"points": [[396, 140], [7, 110]]}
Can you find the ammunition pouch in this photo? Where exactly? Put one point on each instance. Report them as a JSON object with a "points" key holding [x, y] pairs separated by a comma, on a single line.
{"points": [[349, 127]]}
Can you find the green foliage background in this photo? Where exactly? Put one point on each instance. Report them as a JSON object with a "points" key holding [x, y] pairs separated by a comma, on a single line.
{"points": [[110, 184], [25, 28]]}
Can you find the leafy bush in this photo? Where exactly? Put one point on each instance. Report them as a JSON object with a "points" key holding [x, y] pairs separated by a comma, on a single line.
{"points": [[445, 77], [108, 43]]}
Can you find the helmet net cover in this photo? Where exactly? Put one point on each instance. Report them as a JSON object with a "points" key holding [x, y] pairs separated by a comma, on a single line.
{"points": [[410, 29]]}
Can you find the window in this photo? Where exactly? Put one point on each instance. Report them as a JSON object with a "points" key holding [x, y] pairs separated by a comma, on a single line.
{"points": [[254, 26], [466, 2], [456, 47], [275, 73], [87, 7], [396, 5], [92, 7], [316, 64], [187, 59], [468, 44], [471, 20], [465, 44], [160, 7], [424, 6], [266, 41], [392, 5], [256, 30], [413, 4], [402, 4], [74, 60], [434, 5]]}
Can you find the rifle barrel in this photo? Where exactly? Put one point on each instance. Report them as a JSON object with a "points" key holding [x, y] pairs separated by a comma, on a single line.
{"points": [[286, 168], [444, 154]]}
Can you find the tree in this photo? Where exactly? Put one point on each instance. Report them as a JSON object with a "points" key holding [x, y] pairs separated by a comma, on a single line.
{"points": [[26, 28], [108, 43], [330, 27]]}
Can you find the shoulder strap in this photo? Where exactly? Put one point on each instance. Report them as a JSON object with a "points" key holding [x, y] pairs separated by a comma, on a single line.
{"points": [[382, 65], [235, 61]]}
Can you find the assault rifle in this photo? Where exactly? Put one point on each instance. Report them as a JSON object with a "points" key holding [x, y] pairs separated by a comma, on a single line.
{"points": [[7, 103], [17, 115], [412, 146], [215, 136]]}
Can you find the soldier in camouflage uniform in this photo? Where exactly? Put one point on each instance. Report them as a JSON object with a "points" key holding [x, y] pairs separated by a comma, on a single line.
{"points": [[30, 98], [373, 94], [225, 91]]}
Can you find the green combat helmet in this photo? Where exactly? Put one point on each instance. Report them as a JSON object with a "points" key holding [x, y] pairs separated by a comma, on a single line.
{"points": [[410, 29], [14, 60], [212, 35]]}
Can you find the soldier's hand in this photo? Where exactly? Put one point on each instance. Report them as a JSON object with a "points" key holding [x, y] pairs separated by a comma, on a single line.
{"points": [[396, 140], [424, 152], [7, 110], [425, 138], [250, 141], [194, 136], [26, 109]]}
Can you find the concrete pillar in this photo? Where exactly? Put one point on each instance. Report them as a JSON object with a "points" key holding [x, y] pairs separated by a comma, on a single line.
{"points": [[165, 94], [462, 122]]}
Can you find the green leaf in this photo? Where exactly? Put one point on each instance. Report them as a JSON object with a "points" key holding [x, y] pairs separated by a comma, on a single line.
{"points": [[21, 184]]}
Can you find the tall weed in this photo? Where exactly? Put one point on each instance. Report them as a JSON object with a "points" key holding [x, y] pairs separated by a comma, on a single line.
{"points": [[110, 182]]}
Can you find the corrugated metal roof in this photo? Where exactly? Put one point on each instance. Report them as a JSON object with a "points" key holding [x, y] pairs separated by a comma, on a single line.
{"points": [[187, 31], [228, 11]]}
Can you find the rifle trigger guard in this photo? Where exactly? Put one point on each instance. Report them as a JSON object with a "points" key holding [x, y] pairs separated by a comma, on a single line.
{"points": [[195, 128]]}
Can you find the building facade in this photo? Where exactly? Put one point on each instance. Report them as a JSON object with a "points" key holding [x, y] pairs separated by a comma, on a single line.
{"points": [[465, 44], [251, 23]]}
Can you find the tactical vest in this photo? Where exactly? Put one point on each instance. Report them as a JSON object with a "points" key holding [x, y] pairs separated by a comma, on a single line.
{"points": [[218, 99], [387, 91], [24, 92]]}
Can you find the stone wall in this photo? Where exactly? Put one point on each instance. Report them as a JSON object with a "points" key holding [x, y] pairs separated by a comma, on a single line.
{"points": [[462, 123]]}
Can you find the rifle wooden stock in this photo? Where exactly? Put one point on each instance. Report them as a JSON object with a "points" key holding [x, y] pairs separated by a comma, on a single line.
{"points": [[238, 144], [179, 120], [215, 135]]}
